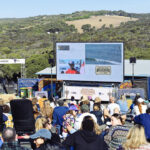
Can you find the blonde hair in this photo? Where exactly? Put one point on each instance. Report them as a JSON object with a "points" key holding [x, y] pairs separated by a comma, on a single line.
{"points": [[36, 113], [123, 97], [97, 128], [47, 110], [41, 123], [135, 138]]}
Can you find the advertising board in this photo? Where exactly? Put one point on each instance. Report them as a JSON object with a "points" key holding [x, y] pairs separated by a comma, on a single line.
{"points": [[41, 94], [12, 61], [90, 62], [77, 91], [26, 82]]}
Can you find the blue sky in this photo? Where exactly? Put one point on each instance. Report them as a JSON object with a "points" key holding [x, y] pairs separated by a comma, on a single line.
{"points": [[28, 8]]}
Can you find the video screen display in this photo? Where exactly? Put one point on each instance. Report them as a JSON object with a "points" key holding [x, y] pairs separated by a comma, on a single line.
{"points": [[102, 62]]}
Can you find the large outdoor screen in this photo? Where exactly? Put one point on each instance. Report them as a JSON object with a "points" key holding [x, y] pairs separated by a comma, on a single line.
{"points": [[102, 62]]}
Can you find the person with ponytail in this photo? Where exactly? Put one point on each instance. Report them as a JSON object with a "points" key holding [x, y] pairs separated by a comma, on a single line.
{"points": [[140, 108], [117, 132]]}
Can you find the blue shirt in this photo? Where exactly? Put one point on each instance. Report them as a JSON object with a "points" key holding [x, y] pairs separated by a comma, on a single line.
{"points": [[123, 106], [58, 114]]}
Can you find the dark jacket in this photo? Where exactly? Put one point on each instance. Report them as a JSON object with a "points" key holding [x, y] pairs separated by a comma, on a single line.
{"points": [[98, 115], [48, 146], [58, 114], [12, 146], [85, 140]]}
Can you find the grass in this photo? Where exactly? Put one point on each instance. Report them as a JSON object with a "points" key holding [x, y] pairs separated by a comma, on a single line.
{"points": [[95, 21]]}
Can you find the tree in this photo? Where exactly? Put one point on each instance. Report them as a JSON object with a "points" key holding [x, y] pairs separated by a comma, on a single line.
{"points": [[86, 28]]}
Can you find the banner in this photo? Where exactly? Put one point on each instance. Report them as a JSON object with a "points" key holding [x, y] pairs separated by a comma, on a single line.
{"points": [[12, 61], [132, 92], [41, 94], [103, 92], [28, 83]]}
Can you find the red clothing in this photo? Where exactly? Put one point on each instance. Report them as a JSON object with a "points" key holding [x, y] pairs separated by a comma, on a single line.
{"points": [[69, 71]]}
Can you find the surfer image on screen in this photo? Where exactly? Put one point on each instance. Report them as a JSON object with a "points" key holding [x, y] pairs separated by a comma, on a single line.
{"points": [[72, 69]]}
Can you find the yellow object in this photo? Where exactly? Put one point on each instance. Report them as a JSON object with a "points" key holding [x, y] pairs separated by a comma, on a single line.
{"points": [[129, 102], [9, 122], [41, 100]]}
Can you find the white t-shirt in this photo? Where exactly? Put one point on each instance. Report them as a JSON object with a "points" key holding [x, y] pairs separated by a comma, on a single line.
{"points": [[136, 110], [111, 107], [79, 119]]}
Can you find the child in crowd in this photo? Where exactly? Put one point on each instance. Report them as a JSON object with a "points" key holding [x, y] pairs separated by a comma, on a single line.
{"points": [[69, 119]]}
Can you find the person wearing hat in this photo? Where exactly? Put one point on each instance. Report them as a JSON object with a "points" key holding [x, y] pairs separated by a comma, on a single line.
{"points": [[98, 102], [40, 139], [72, 70], [140, 107]]}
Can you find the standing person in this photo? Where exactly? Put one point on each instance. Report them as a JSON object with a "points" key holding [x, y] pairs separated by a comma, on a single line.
{"points": [[116, 133], [112, 106], [86, 138], [9, 139], [136, 139]]}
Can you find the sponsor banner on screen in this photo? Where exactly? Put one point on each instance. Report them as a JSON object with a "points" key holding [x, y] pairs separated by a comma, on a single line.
{"points": [[90, 62]]}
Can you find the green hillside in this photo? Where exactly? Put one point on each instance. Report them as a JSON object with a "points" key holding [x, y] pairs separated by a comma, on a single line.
{"points": [[28, 38]]}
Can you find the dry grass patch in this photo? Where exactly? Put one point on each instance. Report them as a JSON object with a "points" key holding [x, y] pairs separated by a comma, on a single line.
{"points": [[95, 21]]}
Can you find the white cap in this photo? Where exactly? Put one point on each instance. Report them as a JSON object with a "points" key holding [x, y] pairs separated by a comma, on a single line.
{"points": [[140, 100]]}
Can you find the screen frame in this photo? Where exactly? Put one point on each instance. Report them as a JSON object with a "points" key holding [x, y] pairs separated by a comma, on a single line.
{"points": [[97, 42]]}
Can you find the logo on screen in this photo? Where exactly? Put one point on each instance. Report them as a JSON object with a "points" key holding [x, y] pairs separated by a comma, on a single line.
{"points": [[64, 47], [103, 70]]}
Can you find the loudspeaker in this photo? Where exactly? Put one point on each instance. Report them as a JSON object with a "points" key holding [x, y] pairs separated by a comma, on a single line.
{"points": [[22, 112], [51, 62], [132, 60]]}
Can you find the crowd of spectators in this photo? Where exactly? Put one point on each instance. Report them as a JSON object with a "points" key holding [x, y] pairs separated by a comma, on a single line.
{"points": [[85, 124]]}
